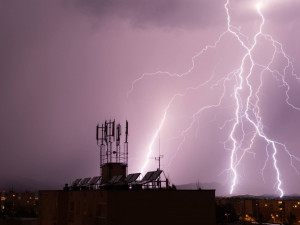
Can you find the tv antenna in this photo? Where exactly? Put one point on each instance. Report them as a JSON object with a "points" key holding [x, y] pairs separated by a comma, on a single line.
{"points": [[159, 155]]}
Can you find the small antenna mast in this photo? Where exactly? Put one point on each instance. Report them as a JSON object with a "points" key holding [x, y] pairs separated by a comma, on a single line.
{"points": [[159, 155]]}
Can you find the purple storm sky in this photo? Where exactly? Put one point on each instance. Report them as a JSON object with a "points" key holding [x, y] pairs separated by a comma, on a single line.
{"points": [[67, 65]]}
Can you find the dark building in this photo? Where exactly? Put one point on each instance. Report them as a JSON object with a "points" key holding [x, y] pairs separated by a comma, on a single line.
{"points": [[9, 202], [254, 209], [28, 204], [19, 204], [127, 207], [115, 198]]}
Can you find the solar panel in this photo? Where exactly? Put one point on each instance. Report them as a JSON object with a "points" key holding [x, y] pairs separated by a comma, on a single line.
{"points": [[128, 178], [115, 179], [155, 175], [133, 177], [118, 178], [147, 176], [85, 181], [76, 182], [112, 180], [94, 180]]}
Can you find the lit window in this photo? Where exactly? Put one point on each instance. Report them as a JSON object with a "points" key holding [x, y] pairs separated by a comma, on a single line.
{"points": [[279, 202]]}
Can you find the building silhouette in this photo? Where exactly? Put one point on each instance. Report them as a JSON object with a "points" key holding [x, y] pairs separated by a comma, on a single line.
{"points": [[118, 198], [265, 210]]}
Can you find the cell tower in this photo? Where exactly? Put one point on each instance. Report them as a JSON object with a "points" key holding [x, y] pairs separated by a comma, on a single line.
{"points": [[113, 158]]}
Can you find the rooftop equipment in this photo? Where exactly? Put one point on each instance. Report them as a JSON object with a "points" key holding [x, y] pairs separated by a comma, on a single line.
{"points": [[113, 158]]}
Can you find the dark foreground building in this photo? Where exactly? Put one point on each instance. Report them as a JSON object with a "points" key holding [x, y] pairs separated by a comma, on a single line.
{"points": [[115, 198], [284, 210], [127, 207]]}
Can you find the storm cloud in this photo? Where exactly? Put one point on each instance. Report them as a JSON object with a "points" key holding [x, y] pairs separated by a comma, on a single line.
{"points": [[166, 13], [67, 65]]}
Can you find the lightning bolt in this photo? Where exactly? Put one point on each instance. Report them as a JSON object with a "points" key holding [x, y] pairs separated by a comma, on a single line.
{"points": [[150, 149], [246, 98]]}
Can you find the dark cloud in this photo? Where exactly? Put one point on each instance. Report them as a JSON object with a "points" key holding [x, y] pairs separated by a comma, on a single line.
{"points": [[183, 14], [164, 13], [59, 76]]}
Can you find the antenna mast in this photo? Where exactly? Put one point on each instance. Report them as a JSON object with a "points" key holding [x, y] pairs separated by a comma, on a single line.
{"points": [[108, 134], [159, 155]]}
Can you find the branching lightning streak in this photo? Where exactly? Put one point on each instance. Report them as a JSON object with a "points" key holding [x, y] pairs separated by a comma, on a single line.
{"points": [[164, 118], [247, 110], [176, 74], [257, 125]]}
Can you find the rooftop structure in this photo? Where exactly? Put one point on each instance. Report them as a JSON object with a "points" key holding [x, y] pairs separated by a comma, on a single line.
{"points": [[118, 198], [113, 158]]}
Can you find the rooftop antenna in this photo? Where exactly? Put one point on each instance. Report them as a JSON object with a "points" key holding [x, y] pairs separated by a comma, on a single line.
{"points": [[158, 159], [126, 143], [159, 155], [113, 158]]}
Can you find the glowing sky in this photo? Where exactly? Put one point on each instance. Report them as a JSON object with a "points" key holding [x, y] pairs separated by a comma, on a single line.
{"points": [[66, 65]]}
